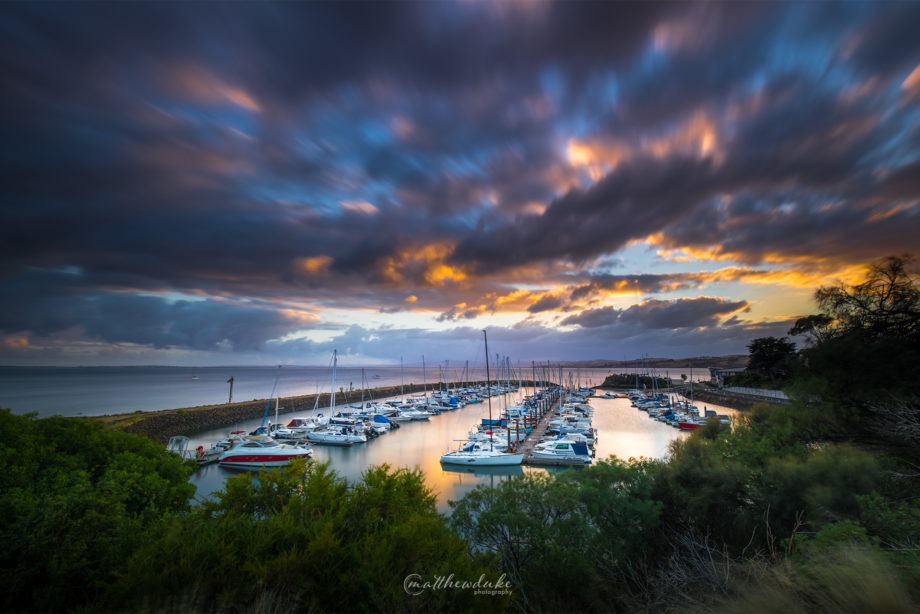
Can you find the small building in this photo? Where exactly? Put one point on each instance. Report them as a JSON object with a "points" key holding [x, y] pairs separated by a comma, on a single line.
{"points": [[717, 375]]}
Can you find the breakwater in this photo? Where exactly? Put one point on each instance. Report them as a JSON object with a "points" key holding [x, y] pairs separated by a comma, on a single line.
{"points": [[727, 398], [163, 424]]}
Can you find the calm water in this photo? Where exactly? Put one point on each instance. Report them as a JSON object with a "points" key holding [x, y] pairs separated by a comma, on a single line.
{"points": [[97, 391], [625, 432]]}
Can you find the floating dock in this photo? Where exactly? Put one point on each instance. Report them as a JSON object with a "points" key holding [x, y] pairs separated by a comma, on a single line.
{"points": [[534, 437]]}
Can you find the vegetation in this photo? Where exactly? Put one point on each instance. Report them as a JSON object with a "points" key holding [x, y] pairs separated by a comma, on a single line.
{"points": [[643, 382], [75, 501], [770, 365], [809, 507]]}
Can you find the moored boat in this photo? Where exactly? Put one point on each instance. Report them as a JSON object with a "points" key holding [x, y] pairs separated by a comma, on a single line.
{"points": [[481, 453], [203, 456], [262, 451], [562, 449]]}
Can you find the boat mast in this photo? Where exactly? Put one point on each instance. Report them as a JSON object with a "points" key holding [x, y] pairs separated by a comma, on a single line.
{"points": [[488, 386], [335, 361], [269, 404]]}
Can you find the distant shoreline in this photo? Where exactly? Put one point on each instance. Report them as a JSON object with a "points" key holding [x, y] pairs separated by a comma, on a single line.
{"points": [[702, 362]]}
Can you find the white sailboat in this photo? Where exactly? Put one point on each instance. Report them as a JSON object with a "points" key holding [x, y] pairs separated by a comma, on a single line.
{"points": [[482, 453], [332, 434]]}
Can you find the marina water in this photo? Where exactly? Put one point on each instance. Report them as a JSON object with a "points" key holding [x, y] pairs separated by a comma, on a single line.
{"points": [[623, 430]]}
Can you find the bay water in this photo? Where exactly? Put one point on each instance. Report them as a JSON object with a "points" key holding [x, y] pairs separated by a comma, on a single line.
{"points": [[624, 431]]}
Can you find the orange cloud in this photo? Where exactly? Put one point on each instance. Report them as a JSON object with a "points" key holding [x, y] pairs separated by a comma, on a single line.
{"points": [[16, 342], [911, 84], [698, 136], [298, 315], [198, 84], [314, 265], [426, 263], [599, 158]]}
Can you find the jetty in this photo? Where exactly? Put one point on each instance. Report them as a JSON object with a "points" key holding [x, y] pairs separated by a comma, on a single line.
{"points": [[534, 437]]}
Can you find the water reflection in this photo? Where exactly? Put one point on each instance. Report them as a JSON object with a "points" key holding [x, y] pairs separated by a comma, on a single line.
{"points": [[624, 432]]}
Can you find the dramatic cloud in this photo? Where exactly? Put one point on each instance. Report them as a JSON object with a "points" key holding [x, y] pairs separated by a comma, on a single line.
{"points": [[264, 182]]}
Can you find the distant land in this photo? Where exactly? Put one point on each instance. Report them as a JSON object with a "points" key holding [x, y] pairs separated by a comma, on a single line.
{"points": [[697, 362]]}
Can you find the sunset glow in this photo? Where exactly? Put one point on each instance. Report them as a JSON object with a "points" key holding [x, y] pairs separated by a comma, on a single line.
{"points": [[263, 183]]}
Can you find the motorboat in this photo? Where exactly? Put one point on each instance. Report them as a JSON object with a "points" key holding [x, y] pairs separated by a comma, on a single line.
{"points": [[262, 451], [562, 449], [336, 436], [179, 444], [408, 415], [690, 424], [481, 453]]}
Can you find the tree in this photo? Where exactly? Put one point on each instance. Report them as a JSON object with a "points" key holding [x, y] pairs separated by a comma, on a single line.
{"points": [[567, 541], [771, 359], [75, 501], [865, 347], [817, 328], [886, 304], [304, 539]]}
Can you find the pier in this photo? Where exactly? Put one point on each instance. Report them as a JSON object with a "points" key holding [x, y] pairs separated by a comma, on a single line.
{"points": [[534, 437]]}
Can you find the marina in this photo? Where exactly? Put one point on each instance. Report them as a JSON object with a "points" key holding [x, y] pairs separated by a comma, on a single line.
{"points": [[622, 431]]}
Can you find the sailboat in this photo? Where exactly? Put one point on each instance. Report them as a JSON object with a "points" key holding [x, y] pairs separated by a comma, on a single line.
{"points": [[483, 453], [332, 434]]}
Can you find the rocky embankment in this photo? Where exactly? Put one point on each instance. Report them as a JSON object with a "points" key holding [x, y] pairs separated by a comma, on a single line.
{"points": [[726, 398], [163, 424]]}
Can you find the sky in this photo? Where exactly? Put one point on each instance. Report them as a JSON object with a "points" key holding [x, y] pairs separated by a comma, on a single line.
{"points": [[208, 183]]}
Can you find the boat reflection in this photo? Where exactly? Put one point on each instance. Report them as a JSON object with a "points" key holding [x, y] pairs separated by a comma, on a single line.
{"points": [[483, 471]]}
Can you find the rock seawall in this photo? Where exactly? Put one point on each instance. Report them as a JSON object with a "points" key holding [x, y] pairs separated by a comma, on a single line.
{"points": [[727, 398], [163, 424]]}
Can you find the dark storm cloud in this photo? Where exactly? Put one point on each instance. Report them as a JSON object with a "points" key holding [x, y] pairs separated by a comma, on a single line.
{"points": [[807, 137], [888, 42], [635, 200], [657, 314], [309, 152], [645, 283], [547, 303], [682, 313], [57, 305], [717, 48]]}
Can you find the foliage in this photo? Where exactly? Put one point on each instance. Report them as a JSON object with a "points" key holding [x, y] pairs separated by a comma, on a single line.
{"points": [[642, 382], [850, 577], [75, 501], [886, 304], [569, 542], [771, 362], [303, 539], [860, 374]]}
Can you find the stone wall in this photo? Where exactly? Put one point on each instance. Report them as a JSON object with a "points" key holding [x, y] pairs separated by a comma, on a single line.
{"points": [[161, 425]]}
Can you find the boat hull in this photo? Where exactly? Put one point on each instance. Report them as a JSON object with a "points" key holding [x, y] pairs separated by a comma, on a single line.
{"points": [[255, 461], [482, 460]]}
